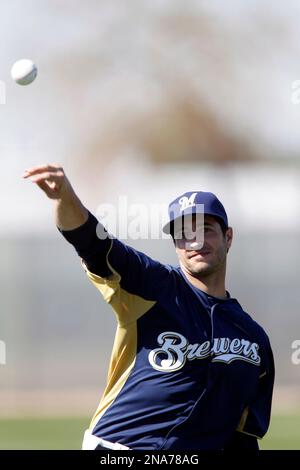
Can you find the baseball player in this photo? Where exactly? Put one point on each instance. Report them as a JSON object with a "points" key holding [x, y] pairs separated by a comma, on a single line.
{"points": [[190, 369]]}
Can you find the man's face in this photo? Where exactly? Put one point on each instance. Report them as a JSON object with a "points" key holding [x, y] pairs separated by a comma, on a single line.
{"points": [[209, 258]]}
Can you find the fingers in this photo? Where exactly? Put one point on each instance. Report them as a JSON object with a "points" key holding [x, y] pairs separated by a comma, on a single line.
{"points": [[42, 169], [50, 178], [48, 175], [45, 187]]}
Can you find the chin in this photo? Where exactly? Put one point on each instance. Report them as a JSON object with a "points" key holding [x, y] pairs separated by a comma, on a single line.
{"points": [[203, 269]]}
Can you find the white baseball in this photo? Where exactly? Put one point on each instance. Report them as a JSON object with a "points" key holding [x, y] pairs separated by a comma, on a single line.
{"points": [[24, 71]]}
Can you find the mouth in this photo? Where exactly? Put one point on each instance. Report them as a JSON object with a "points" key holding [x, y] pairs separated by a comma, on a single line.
{"points": [[202, 254]]}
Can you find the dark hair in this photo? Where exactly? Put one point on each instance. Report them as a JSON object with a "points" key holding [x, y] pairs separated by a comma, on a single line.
{"points": [[222, 225]]}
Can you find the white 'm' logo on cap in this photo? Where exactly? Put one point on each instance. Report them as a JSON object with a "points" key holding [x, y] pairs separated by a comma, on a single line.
{"points": [[186, 202]]}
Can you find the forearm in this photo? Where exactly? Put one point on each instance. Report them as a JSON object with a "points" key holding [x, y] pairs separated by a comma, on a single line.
{"points": [[73, 220], [89, 247], [69, 212]]}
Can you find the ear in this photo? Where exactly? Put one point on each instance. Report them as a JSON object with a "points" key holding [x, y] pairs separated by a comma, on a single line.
{"points": [[229, 237]]}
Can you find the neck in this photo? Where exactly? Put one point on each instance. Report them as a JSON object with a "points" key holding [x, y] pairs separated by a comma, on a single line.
{"points": [[212, 284]]}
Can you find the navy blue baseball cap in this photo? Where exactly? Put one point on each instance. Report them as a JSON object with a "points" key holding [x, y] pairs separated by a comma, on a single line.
{"points": [[195, 202]]}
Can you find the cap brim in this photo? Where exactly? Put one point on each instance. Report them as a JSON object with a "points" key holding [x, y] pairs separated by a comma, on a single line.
{"points": [[168, 228]]}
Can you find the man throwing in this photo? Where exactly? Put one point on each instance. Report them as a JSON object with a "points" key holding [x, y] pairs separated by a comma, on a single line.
{"points": [[190, 369]]}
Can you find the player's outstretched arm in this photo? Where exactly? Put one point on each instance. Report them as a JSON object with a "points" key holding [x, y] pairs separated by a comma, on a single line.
{"points": [[69, 211], [106, 258]]}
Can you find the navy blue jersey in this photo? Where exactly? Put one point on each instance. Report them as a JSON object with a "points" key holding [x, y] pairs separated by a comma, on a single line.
{"points": [[188, 371]]}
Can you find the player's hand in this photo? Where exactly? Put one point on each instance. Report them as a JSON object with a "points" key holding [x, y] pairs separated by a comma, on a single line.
{"points": [[51, 179]]}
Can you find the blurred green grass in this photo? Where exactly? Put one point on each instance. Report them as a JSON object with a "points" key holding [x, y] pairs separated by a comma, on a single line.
{"points": [[42, 433], [283, 434], [67, 433]]}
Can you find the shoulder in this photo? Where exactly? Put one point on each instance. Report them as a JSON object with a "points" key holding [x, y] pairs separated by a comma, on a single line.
{"points": [[257, 329], [262, 339]]}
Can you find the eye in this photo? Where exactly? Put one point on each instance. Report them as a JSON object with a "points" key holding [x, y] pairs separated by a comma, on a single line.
{"points": [[178, 235]]}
